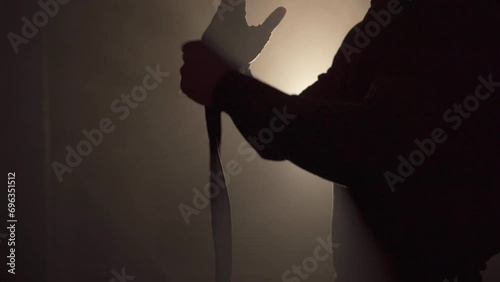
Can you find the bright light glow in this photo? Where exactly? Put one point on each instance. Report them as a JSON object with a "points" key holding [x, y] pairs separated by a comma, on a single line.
{"points": [[304, 44]]}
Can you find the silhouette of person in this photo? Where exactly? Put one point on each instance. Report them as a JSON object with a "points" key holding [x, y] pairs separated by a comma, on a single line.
{"points": [[407, 118]]}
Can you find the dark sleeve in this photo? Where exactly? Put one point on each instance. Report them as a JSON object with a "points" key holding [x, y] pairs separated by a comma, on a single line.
{"points": [[333, 140]]}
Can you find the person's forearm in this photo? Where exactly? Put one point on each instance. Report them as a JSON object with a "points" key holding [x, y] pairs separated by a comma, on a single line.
{"points": [[330, 139]]}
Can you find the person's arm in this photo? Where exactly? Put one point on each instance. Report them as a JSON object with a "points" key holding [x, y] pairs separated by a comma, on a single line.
{"points": [[333, 140], [328, 86]]}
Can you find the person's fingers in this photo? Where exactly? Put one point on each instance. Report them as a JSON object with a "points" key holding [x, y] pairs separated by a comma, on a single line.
{"points": [[184, 80], [234, 7], [194, 51], [273, 20], [191, 46]]}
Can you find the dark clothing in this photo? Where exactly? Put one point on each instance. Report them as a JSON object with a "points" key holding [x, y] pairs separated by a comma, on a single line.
{"points": [[373, 107]]}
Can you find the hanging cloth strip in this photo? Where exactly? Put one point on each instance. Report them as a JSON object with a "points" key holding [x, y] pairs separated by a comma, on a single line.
{"points": [[219, 201], [229, 35]]}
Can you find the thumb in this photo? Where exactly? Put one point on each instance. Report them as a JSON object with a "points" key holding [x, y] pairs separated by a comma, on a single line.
{"points": [[273, 20]]}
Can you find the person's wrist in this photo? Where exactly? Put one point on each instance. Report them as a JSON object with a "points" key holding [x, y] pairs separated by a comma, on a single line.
{"points": [[223, 89]]}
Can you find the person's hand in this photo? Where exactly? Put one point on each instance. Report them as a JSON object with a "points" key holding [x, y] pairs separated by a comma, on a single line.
{"points": [[228, 44], [201, 71], [230, 36]]}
